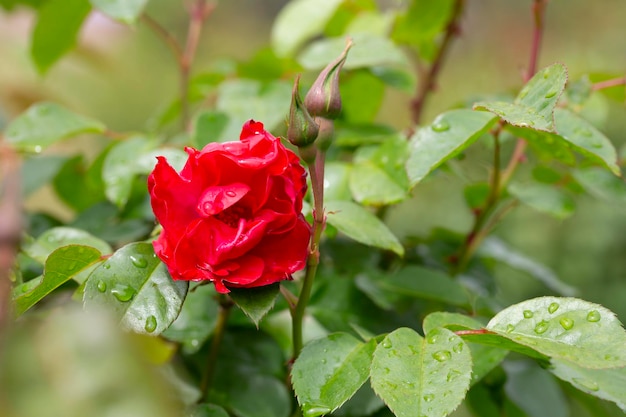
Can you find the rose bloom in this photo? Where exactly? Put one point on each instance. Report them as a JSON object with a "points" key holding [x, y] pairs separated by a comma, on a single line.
{"points": [[233, 215]]}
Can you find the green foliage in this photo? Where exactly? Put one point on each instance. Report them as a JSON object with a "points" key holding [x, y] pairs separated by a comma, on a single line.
{"points": [[403, 247]]}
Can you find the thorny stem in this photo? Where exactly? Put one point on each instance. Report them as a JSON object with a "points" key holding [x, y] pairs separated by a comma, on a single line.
{"points": [[198, 13], [316, 171], [225, 306], [482, 226], [429, 81]]}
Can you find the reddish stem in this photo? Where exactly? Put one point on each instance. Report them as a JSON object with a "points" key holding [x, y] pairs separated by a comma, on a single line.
{"points": [[472, 332], [429, 81], [614, 82]]}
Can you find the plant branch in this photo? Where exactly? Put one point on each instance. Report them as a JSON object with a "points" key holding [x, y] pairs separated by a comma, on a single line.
{"points": [[164, 34], [225, 306], [316, 171], [472, 332], [198, 13], [614, 82], [429, 82]]}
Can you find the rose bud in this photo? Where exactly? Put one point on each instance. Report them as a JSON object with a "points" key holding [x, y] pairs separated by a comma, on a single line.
{"points": [[233, 214], [302, 129], [323, 98]]}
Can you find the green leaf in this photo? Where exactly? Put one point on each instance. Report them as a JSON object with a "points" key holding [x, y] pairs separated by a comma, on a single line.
{"points": [[127, 11], [56, 30], [329, 371], [449, 134], [547, 146], [420, 282], [418, 376], [371, 185], [423, 21], [196, 320], [571, 329], [485, 358], [368, 50], [361, 225], [607, 384], [361, 96], [136, 287], [544, 198], [46, 123], [600, 183], [586, 139], [38, 171], [336, 175], [298, 22], [242, 100], [533, 390], [208, 126], [54, 238], [496, 249], [534, 106], [60, 267], [119, 168], [207, 410], [255, 302], [76, 175]]}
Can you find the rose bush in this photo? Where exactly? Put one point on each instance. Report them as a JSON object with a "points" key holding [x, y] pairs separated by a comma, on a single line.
{"points": [[233, 215]]}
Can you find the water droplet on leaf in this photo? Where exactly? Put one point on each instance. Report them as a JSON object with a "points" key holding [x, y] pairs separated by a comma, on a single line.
{"points": [[442, 355], [316, 411], [541, 327], [386, 344], [566, 323], [151, 324], [102, 286], [452, 375], [594, 316], [429, 397], [123, 292], [458, 348], [440, 125], [553, 307], [528, 314], [509, 328], [106, 266], [138, 261], [551, 93], [432, 339]]}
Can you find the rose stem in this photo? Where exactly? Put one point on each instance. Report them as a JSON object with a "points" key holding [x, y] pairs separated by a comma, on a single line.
{"points": [[429, 80], [614, 82], [316, 171], [225, 305], [198, 13], [500, 179]]}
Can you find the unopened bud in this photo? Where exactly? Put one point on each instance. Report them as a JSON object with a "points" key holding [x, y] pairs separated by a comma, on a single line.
{"points": [[323, 99], [302, 129]]}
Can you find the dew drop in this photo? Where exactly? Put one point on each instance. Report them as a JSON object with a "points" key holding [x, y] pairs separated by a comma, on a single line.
{"points": [[106, 266], [138, 261], [123, 292], [151, 324], [523, 93], [596, 145], [585, 383], [551, 93], [37, 149], [102, 286], [195, 342], [386, 370], [546, 74], [541, 327], [610, 357], [528, 314], [594, 316], [442, 355], [566, 323], [432, 339], [316, 411], [323, 361], [386, 344], [509, 328], [553, 307], [230, 193], [452, 375], [458, 348], [428, 397], [440, 125]]}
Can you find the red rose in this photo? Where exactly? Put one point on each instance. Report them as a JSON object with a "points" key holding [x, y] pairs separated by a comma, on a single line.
{"points": [[233, 214]]}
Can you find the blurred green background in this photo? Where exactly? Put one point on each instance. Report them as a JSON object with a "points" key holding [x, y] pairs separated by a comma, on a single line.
{"points": [[124, 76]]}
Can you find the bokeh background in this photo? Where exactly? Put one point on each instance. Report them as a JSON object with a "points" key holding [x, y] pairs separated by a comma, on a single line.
{"points": [[125, 76]]}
